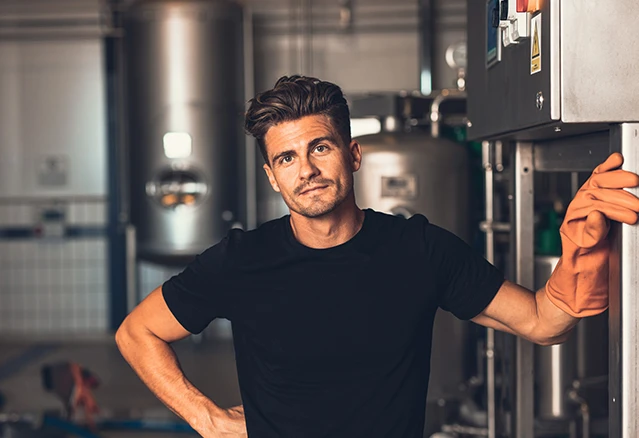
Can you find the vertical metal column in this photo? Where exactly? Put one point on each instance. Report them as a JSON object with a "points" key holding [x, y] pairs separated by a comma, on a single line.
{"points": [[524, 275], [624, 304], [487, 158], [249, 145], [118, 208], [426, 12]]}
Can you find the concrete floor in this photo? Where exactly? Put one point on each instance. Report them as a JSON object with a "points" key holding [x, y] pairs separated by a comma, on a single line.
{"points": [[209, 364]]}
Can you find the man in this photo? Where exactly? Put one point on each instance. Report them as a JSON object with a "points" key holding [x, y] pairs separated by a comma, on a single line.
{"points": [[332, 307]]}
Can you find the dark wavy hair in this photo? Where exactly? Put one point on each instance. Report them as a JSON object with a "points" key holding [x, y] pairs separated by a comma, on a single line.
{"points": [[292, 98]]}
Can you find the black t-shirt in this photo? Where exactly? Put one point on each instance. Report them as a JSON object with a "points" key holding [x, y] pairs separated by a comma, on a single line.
{"points": [[334, 342]]}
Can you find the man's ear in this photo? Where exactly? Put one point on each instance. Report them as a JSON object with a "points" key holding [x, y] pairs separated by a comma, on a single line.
{"points": [[355, 151], [271, 178]]}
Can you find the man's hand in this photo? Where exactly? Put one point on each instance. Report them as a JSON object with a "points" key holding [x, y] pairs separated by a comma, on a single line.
{"points": [[601, 198], [229, 423], [579, 284]]}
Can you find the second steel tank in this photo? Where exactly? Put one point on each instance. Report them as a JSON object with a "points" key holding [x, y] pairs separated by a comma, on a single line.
{"points": [[407, 173]]}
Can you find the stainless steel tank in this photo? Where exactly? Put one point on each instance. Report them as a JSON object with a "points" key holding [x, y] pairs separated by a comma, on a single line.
{"points": [[555, 365], [410, 173], [185, 103]]}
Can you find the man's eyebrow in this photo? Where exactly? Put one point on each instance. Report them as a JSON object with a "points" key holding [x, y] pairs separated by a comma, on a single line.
{"points": [[326, 138]]}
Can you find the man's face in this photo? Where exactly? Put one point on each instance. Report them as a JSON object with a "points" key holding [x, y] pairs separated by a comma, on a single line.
{"points": [[310, 166]]}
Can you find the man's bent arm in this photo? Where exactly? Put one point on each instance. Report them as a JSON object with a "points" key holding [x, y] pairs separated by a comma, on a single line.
{"points": [[143, 339], [530, 315]]}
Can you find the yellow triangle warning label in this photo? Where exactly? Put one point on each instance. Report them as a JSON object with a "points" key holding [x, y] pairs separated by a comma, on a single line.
{"points": [[535, 49], [535, 46]]}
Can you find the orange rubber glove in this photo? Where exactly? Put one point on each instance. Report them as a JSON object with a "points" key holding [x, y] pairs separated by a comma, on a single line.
{"points": [[579, 283]]}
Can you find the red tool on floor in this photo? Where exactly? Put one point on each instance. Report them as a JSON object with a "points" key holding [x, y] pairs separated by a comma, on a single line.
{"points": [[73, 385]]}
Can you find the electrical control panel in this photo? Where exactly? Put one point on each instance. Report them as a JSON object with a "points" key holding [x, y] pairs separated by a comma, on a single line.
{"points": [[538, 69]]}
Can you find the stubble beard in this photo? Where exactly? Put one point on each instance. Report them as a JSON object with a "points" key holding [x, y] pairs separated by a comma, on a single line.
{"points": [[319, 208]]}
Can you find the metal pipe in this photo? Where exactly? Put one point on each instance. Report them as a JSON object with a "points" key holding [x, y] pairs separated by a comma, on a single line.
{"points": [[132, 295], [584, 410], [581, 334], [304, 27], [464, 430], [435, 114], [499, 156], [588, 382], [490, 256], [523, 194], [426, 9], [250, 144], [498, 227]]}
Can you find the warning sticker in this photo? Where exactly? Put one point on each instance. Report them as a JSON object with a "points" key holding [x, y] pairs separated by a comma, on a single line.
{"points": [[535, 45]]}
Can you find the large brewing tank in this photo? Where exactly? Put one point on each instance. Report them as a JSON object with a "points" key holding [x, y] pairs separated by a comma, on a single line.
{"points": [[409, 173], [185, 100]]}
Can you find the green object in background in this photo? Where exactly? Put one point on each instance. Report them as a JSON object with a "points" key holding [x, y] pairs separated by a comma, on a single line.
{"points": [[548, 237]]}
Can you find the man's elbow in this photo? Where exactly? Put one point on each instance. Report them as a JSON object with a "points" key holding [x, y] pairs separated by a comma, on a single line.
{"points": [[123, 334], [119, 336], [548, 340]]}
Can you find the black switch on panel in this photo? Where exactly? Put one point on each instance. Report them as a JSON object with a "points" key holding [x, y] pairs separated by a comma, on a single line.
{"points": [[503, 14]]}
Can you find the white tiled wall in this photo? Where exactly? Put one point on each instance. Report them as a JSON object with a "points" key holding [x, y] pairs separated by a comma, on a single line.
{"points": [[52, 105], [53, 285], [151, 276]]}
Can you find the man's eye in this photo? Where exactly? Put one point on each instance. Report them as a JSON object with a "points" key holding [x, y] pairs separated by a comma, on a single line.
{"points": [[286, 159], [321, 148]]}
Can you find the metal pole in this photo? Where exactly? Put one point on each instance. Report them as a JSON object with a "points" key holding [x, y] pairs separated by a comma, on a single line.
{"points": [[118, 208], [426, 12], [624, 304], [132, 293], [490, 256], [524, 272], [250, 144]]}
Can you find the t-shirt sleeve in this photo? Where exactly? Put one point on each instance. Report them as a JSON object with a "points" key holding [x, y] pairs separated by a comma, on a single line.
{"points": [[467, 281], [199, 294]]}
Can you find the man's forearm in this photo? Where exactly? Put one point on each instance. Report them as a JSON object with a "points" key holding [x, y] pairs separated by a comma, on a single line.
{"points": [[553, 324], [531, 315], [157, 365]]}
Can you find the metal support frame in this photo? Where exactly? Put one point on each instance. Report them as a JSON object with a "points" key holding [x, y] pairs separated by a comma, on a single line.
{"points": [[523, 225], [120, 276], [624, 304], [487, 161], [580, 154], [572, 154]]}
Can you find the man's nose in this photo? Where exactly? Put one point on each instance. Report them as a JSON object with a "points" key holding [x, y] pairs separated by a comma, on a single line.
{"points": [[308, 169]]}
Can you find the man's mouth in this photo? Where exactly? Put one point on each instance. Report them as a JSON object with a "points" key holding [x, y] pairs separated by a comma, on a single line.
{"points": [[312, 190]]}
